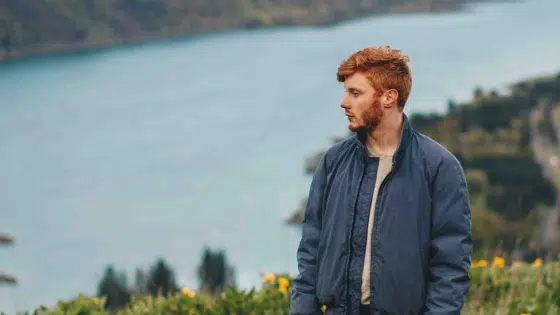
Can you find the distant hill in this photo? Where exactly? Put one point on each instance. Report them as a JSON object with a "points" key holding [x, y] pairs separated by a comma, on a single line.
{"points": [[509, 147], [29, 27]]}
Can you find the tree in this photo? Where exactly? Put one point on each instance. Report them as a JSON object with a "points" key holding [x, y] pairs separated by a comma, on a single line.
{"points": [[478, 93], [451, 105], [141, 282], [113, 286], [161, 280], [214, 273]]}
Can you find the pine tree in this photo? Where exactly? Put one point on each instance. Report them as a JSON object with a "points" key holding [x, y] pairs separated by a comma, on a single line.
{"points": [[161, 280], [113, 286], [214, 273], [141, 282]]}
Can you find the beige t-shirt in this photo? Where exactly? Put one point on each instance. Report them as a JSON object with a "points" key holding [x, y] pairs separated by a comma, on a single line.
{"points": [[385, 164]]}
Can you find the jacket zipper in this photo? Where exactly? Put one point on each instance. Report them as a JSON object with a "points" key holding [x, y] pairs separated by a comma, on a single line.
{"points": [[349, 238]]}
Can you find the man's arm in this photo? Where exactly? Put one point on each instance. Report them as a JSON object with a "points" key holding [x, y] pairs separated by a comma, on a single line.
{"points": [[451, 247], [304, 299]]}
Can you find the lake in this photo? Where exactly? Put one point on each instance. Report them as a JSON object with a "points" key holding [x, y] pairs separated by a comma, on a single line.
{"points": [[134, 153]]}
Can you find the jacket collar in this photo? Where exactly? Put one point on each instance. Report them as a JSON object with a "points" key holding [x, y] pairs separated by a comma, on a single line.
{"points": [[406, 136]]}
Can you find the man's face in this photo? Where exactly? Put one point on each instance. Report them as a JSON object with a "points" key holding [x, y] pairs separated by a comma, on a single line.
{"points": [[361, 104]]}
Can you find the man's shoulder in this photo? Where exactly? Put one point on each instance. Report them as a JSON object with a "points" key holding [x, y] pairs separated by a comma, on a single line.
{"points": [[341, 146], [435, 154]]}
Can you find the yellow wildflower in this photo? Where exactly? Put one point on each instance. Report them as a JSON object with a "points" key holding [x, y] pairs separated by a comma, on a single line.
{"points": [[537, 263], [188, 292], [95, 300], [480, 264], [283, 282], [269, 278], [324, 308], [283, 289], [499, 262]]}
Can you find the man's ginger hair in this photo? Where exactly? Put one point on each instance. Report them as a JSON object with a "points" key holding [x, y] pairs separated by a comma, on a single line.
{"points": [[385, 67]]}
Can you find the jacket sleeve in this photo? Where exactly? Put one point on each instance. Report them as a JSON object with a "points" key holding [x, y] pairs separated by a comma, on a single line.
{"points": [[303, 299], [451, 241]]}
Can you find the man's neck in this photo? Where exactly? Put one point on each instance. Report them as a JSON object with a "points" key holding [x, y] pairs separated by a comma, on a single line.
{"points": [[385, 138]]}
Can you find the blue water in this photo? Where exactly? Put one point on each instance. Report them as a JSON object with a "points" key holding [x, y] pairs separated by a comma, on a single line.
{"points": [[157, 150]]}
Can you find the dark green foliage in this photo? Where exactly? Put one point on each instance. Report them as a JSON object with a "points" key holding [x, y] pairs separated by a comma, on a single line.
{"points": [[492, 113], [214, 273], [161, 280], [114, 288], [451, 105], [496, 140], [516, 184]]}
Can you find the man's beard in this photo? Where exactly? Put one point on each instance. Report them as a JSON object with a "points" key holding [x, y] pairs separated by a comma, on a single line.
{"points": [[371, 118]]}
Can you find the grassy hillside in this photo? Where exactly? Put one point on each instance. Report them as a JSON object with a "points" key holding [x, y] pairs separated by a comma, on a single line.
{"points": [[491, 135], [30, 27], [496, 288]]}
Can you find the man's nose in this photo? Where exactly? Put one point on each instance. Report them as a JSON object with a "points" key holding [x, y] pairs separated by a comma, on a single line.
{"points": [[344, 103]]}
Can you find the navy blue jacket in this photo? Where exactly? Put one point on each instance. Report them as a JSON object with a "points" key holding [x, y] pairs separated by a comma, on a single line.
{"points": [[421, 244]]}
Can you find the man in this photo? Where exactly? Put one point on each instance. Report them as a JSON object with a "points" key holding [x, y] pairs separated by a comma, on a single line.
{"points": [[387, 227]]}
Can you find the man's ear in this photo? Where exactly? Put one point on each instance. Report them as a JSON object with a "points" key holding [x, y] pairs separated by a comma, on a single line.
{"points": [[390, 98]]}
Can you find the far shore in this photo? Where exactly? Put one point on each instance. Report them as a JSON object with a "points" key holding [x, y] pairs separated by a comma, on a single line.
{"points": [[222, 26]]}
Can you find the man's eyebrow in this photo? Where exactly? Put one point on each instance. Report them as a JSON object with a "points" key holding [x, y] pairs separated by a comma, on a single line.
{"points": [[353, 89]]}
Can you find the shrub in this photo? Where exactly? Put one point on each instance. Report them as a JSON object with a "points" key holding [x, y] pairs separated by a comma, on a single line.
{"points": [[496, 288], [517, 289]]}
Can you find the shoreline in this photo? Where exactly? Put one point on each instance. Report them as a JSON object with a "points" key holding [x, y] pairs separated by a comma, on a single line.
{"points": [[324, 20]]}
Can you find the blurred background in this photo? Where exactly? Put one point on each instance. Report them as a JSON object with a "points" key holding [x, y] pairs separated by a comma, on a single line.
{"points": [[173, 141]]}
